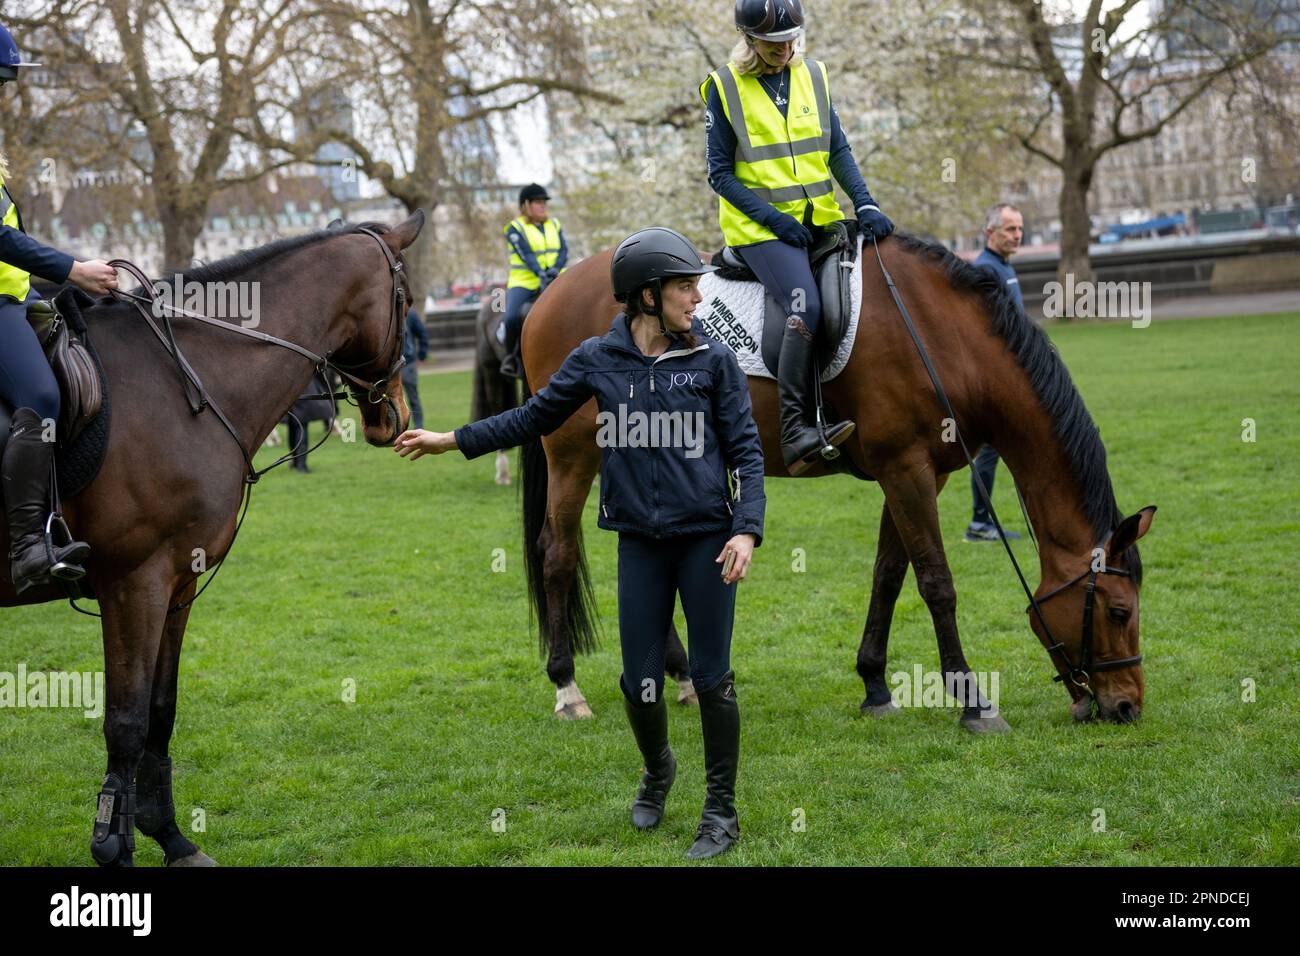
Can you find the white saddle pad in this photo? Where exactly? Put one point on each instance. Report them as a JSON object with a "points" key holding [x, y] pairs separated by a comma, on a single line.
{"points": [[732, 312]]}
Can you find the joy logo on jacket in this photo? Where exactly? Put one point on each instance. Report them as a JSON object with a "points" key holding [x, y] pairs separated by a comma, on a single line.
{"points": [[681, 378], [624, 429]]}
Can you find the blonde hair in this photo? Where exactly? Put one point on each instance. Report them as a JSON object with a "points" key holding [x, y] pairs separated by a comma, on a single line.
{"points": [[748, 63], [4, 167]]}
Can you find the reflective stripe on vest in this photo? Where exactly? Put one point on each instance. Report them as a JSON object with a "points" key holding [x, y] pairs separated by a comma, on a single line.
{"points": [[784, 160], [13, 281], [544, 240]]}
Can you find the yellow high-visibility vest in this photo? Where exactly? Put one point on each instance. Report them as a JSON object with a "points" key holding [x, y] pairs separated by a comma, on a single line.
{"points": [[13, 280], [544, 240], [785, 160]]}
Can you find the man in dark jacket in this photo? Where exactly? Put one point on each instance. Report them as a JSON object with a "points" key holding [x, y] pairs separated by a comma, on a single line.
{"points": [[416, 348], [1003, 230]]}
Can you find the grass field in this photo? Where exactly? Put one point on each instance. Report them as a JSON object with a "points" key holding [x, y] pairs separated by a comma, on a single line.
{"points": [[379, 571]]}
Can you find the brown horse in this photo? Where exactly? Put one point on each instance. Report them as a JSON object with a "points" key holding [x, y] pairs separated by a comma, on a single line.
{"points": [[1007, 386], [171, 483]]}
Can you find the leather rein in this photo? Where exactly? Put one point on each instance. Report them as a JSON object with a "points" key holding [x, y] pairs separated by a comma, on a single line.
{"points": [[199, 398]]}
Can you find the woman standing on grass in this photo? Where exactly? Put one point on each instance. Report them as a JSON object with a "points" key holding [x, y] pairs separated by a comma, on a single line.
{"points": [[668, 500]]}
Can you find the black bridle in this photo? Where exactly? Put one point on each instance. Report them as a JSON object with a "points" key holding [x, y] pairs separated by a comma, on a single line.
{"points": [[1080, 675], [197, 396]]}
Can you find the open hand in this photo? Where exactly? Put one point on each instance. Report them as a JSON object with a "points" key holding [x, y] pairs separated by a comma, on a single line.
{"points": [[416, 443]]}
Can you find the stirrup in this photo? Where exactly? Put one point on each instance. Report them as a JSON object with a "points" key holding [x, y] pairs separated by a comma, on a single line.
{"points": [[69, 567]]}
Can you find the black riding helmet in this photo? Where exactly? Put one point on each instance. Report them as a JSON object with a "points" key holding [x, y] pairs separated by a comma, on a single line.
{"points": [[532, 191], [772, 20], [647, 257], [10, 58]]}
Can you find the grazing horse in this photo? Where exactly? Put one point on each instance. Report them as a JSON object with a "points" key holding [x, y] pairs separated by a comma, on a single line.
{"points": [[1007, 386], [172, 481]]}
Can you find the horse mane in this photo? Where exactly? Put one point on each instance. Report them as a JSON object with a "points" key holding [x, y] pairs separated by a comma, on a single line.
{"points": [[240, 262], [1051, 381]]}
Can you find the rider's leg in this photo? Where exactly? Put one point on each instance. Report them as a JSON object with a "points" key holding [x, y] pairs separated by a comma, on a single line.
{"points": [[784, 271], [516, 299], [28, 384]]}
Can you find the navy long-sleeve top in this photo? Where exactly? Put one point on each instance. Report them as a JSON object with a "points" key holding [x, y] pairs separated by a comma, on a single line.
{"points": [[416, 345], [21, 250], [994, 263], [722, 158]]}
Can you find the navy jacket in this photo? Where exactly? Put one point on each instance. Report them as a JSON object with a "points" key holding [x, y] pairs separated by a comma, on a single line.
{"points": [[21, 250], [992, 262], [660, 474], [416, 344]]}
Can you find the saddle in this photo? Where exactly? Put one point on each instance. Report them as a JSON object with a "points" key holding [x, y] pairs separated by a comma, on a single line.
{"points": [[82, 429], [831, 256]]}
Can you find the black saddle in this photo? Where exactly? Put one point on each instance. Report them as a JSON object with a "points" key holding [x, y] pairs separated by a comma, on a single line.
{"points": [[831, 256], [82, 429]]}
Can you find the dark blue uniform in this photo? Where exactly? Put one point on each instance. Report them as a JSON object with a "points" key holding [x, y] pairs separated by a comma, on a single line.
{"points": [[675, 431]]}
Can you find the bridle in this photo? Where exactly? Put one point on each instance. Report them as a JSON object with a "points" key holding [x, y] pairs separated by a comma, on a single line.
{"points": [[197, 396], [1080, 675]]}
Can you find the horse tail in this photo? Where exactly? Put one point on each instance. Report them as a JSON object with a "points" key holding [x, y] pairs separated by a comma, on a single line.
{"points": [[580, 603]]}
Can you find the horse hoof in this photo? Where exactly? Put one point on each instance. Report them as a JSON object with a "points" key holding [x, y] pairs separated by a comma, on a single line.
{"points": [[880, 710], [986, 725], [686, 693], [197, 858], [579, 711]]}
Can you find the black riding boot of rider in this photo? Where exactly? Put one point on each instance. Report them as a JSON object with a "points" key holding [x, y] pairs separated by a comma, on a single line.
{"points": [[25, 473], [650, 728], [802, 444], [720, 720]]}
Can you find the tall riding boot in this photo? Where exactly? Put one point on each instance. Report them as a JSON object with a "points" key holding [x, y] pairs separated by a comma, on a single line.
{"points": [[513, 364], [802, 442], [25, 472], [650, 727], [720, 718]]}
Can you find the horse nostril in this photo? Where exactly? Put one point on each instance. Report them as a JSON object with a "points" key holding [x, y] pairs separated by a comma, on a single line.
{"points": [[1126, 711]]}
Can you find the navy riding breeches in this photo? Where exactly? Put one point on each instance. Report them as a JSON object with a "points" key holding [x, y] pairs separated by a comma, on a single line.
{"points": [[26, 380], [516, 299], [785, 272], [651, 573]]}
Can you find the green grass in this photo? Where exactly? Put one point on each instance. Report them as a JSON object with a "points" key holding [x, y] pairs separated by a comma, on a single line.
{"points": [[379, 571]]}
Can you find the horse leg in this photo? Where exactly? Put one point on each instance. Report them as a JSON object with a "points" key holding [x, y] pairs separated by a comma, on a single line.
{"points": [[678, 667], [155, 812], [134, 610], [910, 493], [561, 545], [502, 468], [886, 583]]}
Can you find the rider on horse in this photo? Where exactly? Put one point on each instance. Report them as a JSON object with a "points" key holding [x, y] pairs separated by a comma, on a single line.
{"points": [[537, 255], [774, 143], [26, 380]]}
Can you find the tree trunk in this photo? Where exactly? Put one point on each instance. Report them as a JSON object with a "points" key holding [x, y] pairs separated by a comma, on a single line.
{"points": [[181, 228], [1076, 180]]}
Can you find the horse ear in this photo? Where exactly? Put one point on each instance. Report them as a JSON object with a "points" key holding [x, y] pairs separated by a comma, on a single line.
{"points": [[399, 237], [335, 224], [1128, 532]]}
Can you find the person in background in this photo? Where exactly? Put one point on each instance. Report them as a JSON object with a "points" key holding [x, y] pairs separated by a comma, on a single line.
{"points": [[1003, 229], [416, 349], [538, 253]]}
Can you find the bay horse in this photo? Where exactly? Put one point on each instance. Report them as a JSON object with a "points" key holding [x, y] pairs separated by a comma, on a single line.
{"points": [[494, 393], [172, 481], [1007, 386]]}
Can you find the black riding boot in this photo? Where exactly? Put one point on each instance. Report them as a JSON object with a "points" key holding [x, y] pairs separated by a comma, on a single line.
{"points": [[720, 719], [513, 364], [650, 727], [802, 444], [26, 489]]}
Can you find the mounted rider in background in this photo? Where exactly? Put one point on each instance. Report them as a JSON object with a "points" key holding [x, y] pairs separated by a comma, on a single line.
{"points": [[538, 253]]}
